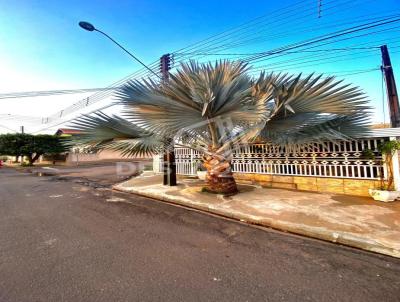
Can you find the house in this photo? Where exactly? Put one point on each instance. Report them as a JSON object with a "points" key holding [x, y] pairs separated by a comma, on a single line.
{"points": [[67, 132]]}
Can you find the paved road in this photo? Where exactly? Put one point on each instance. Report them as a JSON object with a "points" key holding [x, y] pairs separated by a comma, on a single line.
{"points": [[64, 241], [104, 173]]}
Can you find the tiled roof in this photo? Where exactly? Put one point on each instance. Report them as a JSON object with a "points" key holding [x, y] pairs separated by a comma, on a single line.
{"points": [[67, 131]]}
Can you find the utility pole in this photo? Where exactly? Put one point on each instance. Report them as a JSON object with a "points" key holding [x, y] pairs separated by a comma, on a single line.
{"points": [[169, 155], [391, 91], [22, 130]]}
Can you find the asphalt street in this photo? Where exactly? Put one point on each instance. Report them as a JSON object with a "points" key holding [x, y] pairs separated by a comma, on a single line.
{"points": [[70, 240]]}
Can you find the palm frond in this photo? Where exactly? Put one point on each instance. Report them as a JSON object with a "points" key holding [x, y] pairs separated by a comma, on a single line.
{"points": [[197, 94], [101, 131], [314, 94], [308, 127], [312, 108]]}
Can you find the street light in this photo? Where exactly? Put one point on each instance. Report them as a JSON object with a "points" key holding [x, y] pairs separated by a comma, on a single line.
{"points": [[90, 27], [86, 26]]}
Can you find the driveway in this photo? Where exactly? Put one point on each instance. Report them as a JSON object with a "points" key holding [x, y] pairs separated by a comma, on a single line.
{"points": [[62, 240]]}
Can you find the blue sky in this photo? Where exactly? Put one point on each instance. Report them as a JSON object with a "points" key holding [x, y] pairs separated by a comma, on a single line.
{"points": [[43, 48], [44, 36]]}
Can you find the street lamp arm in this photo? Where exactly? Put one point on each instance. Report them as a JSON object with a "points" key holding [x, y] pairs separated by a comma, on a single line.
{"points": [[129, 53]]}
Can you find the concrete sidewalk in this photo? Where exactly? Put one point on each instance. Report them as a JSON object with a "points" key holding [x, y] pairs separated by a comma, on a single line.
{"points": [[355, 221]]}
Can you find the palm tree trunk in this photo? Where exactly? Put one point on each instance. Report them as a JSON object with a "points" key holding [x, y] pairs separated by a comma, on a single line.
{"points": [[219, 174]]}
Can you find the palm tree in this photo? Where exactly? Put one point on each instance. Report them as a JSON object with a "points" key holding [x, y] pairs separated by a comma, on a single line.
{"points": [[214, 108]]}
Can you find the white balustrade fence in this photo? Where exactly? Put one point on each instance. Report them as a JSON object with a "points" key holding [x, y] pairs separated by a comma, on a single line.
{"points": [[342, 159], [186, 160]]}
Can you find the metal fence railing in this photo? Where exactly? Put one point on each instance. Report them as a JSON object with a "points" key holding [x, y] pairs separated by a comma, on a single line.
{"points": [[341, 159]]}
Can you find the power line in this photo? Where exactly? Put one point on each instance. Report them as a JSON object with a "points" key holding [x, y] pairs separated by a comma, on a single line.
{"points": [[276, 35], [326, 37], [279, 21], [319, 62], [368, 45], [356, 72], [95, 98], [239, 27], [72, 91], [71, 119], [5, 127], [26, 94], [336, 41], [303, 60], [322, 62], [338, 72], [316, 58], [23, 119], [100, 95], [285, 49], [289, 52]]}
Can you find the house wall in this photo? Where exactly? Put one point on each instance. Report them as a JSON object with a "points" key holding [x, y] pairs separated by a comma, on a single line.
{"points": [[104, 155], [358, 187]]}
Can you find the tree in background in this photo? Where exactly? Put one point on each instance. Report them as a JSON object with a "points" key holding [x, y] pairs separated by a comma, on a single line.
{"points": [[11, 144], [31, 146]]}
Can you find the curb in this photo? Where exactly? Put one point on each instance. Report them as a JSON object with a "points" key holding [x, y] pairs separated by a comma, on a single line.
{"points": [[313, 232]]}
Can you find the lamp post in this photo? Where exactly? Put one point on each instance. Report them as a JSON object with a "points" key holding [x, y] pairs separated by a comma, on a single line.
{"points": [[170, 171], [90, 27]]}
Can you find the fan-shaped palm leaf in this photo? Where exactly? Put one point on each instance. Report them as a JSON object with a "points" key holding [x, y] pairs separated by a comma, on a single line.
{"points": [[215, 107], [101, 131], [198, 95], [313, 108]]}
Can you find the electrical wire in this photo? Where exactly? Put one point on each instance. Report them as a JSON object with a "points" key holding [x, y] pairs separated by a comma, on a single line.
{"points": [[27, 94], [303, 60], [289, 52], [63, 91], [72, 91], [280, 20], [326, 37], [366, 26], [71, 119], [5, 127], [100, 95], [95, 98], [281, 25], [329, 58], [347, 48], [330, 73], [24, 119], [336, 41], [275, 35], [242, 26]]}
